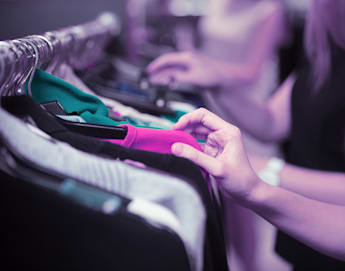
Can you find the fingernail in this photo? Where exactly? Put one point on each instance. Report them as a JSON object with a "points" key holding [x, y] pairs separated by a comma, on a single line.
{"points": [[177, 149]]}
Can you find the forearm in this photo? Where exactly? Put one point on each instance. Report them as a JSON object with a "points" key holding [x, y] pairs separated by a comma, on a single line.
{"points": [[317, 224], [268, 121], [252, 117], [315, 184], [237, 74]]}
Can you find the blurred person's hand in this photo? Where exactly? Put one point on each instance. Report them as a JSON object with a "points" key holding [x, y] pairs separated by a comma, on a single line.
{"points": [[187, 67], [223, 153]]}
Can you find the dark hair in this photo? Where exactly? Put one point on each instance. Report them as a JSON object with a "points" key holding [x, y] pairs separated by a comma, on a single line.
{"points": [[326, 20]]}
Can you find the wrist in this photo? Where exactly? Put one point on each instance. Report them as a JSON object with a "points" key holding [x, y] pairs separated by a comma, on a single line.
{"points": [[259, 195], [247, 194]]}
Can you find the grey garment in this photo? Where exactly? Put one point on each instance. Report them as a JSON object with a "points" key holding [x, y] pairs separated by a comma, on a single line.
{"points": [[72, 118], [115, 176]]}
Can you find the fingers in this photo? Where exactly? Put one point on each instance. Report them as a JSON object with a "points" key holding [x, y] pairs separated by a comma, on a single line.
{"points": [[168, 60], [187, 76], [163, 77], [198, 131], [199, 136], [201, 117], [211, 149], [210, 164], [172, 74]]}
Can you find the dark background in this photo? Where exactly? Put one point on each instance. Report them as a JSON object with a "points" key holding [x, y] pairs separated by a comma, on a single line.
{"points": [[19, 18]]}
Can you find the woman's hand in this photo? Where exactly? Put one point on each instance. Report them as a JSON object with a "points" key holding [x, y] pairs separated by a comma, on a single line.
{"points": [[186, 67], [223, 153]]}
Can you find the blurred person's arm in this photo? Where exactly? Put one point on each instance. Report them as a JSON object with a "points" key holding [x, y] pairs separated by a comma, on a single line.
{"points": [[273, 32], [268, 121], [195, 68], [318, 224]]}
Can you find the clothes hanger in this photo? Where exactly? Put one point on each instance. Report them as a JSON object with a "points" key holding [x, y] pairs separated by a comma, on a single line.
{"points": [[59, 54], [100, 131], [20, 58], [2, 64], [94, 130], [33, 68], [71, 58], [12, 163], [9, 66], [45, 49], [24, 63], [2, 70]]}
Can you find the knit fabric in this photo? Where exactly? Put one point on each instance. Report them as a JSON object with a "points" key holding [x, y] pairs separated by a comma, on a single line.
{"points": [[154, 140], [214, 250], [114, 176], [48, 88]]}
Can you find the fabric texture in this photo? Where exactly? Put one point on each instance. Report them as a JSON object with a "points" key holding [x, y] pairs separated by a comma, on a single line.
{"points": [[316, 142], [154, 140], [66, 73], [71, 118], [114, 176], [48, 88], [230, 35], [42, 230], [92, 110], [215, 252]]}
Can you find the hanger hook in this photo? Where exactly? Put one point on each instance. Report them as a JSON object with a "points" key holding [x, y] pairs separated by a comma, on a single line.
{"points": [[36, 56], [2, 66], [9, 55]]}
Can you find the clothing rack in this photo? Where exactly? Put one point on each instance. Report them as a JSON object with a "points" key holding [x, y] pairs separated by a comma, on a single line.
{"points": [[79, 46]]}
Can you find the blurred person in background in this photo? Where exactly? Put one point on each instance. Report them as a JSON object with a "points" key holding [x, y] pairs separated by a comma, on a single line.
{"points": [[241, 38], [247, 35], [308, 108]]}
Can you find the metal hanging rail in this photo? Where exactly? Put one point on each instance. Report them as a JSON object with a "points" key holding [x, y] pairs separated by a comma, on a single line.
{"points": [[78, 46]]}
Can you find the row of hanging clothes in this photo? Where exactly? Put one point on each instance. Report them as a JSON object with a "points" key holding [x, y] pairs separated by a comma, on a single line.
{"points": [[87, 178]]}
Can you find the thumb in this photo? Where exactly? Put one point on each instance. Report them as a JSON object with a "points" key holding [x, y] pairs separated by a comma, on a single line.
{"points": [[210, 164]]}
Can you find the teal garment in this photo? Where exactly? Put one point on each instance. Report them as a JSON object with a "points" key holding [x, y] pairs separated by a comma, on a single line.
{"points": [[137, 122], [48, 88], [176, 117]]}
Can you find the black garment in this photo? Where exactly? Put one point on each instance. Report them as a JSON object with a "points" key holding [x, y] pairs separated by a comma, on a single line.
{"points": [[291, 53], [316, 142], [42, 230], [215, 252]]}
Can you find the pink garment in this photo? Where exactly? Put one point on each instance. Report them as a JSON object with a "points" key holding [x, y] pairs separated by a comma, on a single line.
{"points": [[155, 140]]}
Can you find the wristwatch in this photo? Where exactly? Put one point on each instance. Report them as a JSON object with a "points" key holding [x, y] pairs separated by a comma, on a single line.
{"points": [[270, 174]]}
